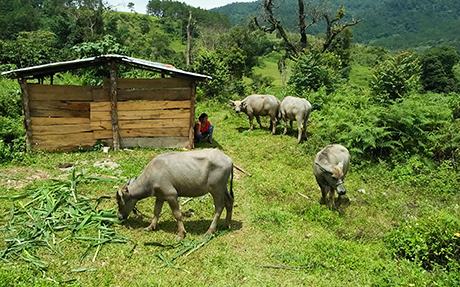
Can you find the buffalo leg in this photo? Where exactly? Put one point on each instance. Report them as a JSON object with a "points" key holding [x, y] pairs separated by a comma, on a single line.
{"points": [[324, 191], [251, 118], [273, 122], [285, 126], [300, 128], [331, 198], [178, 216], [156, 215], [219, 203], [229, 209], [258, 120]]}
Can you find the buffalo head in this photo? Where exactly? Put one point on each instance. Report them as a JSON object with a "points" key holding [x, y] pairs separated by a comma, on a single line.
{"points": [[334, 177], [238, 106], [124, 200]]}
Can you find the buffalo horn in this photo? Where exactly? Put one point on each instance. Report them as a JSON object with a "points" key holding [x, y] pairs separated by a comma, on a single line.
{"points": [[325, 169]]}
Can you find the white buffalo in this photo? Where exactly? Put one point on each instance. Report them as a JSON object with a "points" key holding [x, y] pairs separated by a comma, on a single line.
{"points": [[259, 105], [296, 109], [330, 167]]}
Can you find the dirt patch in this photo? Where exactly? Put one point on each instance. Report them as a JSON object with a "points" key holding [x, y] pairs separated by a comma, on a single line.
{"points": [[106, 164], [18, 178]]}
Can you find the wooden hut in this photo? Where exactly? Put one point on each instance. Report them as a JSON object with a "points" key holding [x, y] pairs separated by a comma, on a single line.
{"points": [[155, 113]]}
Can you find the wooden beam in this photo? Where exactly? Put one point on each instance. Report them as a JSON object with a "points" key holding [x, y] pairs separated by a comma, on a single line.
{"points": [[191, 136], [113, 105], [26, 111]]}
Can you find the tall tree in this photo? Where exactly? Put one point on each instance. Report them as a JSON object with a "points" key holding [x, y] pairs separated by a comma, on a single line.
{"points": [[315, 13]]}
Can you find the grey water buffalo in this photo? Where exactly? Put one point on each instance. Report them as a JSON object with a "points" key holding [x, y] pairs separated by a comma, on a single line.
{"points": [[257, 106], [181, 174], [295, 109], [330, 167]]}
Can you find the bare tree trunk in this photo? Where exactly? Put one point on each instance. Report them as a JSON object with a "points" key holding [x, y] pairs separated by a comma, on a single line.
{"points": [[302, 26], [189, 39], [316, 14], [333, 28]]}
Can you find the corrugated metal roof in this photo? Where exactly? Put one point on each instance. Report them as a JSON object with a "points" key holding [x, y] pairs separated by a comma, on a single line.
{"points": [[52, 68]]}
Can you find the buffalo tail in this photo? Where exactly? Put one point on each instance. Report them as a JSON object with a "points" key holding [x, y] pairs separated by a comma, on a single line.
{"points": [[231, 184]]}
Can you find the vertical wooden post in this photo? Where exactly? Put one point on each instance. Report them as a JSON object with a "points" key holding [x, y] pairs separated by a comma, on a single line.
{"points": [[192, 116], [113, 105], [26, 111]]}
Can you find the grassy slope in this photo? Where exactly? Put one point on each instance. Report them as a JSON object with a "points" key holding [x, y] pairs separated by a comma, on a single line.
{"points": [[272, 224]]}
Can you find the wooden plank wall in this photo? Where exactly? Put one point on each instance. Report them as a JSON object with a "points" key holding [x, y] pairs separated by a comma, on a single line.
{"points": [[60, 116], [67, 117], [152, 109]]}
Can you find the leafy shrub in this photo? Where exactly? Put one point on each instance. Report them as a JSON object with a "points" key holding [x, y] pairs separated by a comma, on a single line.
{"points": [[395, 77], [314, 70], [437, 69], [430, 241], [350, 119], [212, 64], [260, 82], [13, 152], [415, 123]]}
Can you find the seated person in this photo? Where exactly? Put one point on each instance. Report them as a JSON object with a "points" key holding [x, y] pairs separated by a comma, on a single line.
{"points": [[203, 128]]}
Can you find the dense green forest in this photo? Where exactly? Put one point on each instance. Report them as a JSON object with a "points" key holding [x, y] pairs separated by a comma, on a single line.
{"points": [[387, 88], [393, 24]]}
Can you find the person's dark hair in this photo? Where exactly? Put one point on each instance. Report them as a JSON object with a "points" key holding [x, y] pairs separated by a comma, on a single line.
{"points": [[202, 116]]}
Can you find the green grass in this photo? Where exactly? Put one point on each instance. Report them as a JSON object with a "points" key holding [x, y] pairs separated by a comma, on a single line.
{"points": [[178, 46], [272, 224]]}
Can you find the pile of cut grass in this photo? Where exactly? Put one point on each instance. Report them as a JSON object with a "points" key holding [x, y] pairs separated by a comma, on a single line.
{"points": [[45, 217]]}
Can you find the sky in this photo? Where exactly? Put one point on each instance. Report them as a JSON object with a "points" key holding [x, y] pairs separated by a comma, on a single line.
{"points": [[139, 5]]}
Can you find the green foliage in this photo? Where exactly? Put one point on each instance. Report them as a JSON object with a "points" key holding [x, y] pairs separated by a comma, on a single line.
{"points": [[437, 69], [414, 170], [432, 240], [314, 70], [107, 45], [419, 124], [395, 77], [260, 82], [351, 119], [30, 49], [212, 63], [416, 123], [12, 145]]}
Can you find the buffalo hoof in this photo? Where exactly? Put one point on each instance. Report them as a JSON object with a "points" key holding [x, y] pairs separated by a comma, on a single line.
{"points": [[323, 201], [178, 237]]}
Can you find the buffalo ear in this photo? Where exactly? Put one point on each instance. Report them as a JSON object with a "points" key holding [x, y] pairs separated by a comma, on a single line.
{"points": [[325, 169], [231, 104], [340, 164]]}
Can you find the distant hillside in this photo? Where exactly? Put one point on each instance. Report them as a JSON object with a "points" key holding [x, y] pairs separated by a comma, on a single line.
{"points": [[394, 24]]}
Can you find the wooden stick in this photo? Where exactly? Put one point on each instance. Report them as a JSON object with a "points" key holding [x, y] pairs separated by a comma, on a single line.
{"points": [[284, 267], [303, 195], [106, 176], [26, 111], [242, 170]]}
